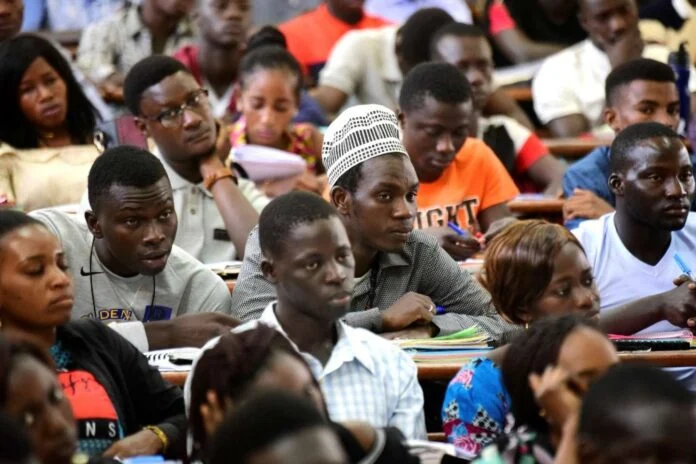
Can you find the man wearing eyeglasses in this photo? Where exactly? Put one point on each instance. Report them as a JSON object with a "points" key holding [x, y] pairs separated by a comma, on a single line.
{"points": [[216, 210]]}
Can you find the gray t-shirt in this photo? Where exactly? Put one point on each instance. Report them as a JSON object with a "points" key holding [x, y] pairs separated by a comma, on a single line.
{"points": [[184, 286]]}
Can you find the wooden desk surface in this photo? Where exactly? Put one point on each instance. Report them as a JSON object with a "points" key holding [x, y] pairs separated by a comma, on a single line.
{"points": [[445, 372], [542, 206], [573, 147]]}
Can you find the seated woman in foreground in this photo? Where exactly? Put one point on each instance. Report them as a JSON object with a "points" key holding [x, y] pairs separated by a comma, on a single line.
{"points": [[46, 126], [31, 396], [105, 378], [547, 371], [532, 269], [258, 358]]}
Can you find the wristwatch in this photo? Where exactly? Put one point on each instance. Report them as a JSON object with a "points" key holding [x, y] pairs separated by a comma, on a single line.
{"points": [[210, 179]]}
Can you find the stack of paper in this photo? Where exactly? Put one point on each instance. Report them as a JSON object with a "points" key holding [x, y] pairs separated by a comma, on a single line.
{"points": [[684, 335], [456, 348], [226, 269], [162, 359]]}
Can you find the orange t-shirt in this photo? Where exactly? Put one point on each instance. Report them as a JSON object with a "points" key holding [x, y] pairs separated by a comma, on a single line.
{"points": [[476, 180], [312, 35]]}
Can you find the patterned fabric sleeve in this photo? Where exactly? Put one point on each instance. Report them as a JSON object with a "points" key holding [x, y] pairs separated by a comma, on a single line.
{"points": [[476, 406]]}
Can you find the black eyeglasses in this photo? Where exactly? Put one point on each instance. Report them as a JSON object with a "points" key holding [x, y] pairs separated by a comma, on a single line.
{"points": [[172, 117]]}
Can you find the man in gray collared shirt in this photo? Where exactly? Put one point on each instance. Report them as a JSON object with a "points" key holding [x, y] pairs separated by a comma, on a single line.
{"points": [[402, 275]]}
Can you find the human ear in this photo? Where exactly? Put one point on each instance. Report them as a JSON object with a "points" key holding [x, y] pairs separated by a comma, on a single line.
{"points": [[93, 224], [616, 184], [341, 200], [268, 271], [141, 125], [611, 119]]}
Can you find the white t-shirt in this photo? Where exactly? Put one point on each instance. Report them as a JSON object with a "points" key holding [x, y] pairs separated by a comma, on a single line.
{"points": [[622, 278], [184, 286], [572, 82], [363, 64]]}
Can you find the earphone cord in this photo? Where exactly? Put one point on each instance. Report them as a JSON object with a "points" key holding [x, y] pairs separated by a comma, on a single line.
{"points": [[91, 286]]}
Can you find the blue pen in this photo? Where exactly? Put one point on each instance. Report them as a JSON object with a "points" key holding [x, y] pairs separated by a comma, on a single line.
{"points": [[682, 265], [440, 310], [456, 228]]}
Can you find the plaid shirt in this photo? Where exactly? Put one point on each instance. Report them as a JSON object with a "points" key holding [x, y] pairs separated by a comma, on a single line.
{"points": [[116, 43], [422, 267], [367, 378]]}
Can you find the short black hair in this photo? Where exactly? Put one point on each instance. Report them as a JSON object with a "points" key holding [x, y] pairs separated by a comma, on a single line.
{"points": [[11, 220], [441, 81], [146, 73], [532, 352], [124, 165], [642, 69], [633, 136], [620, 389], [230, 369], [285, 213], [267, 53], [417, 32], [456, 30], [267, 417], [267, 35], [16, 55]]}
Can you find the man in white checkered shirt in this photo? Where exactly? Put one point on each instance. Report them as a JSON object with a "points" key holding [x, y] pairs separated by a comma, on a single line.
{"points": [[309, 259], [402, 275]]}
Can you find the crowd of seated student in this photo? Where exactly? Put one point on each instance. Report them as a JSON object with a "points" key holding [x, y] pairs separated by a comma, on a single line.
{"points": [[533, 270], [103, 376], [307, 257], [573, 105], [402, 274], [325, 283], [641, 90]]}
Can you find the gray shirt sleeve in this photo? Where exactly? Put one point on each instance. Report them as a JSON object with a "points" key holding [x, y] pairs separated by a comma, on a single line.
{"points": [[465, 301], [253, 292]]}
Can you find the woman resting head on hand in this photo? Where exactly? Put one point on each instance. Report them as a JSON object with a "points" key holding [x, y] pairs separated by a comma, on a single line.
{"points": [[532, 269], [43, 105], [551, 364], [125, 408]]}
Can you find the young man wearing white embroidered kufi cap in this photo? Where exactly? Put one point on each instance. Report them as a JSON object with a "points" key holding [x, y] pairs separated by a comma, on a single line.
{"points": [[402, 275]]}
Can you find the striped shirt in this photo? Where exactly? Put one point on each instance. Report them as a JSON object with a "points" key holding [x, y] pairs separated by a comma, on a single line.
{"points": [[116, 43], [422, 266], [366, 378]]}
